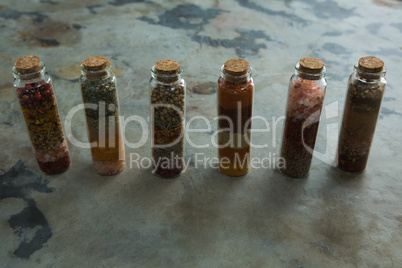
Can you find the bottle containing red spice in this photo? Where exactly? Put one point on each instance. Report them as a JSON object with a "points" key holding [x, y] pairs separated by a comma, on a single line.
{"points": [[235, 106], [38, 104], [305, 99], [168, 95], [366, 88], [98, 88]]}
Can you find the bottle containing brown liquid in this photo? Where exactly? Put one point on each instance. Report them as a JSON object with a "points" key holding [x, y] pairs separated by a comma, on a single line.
{"points": [[362, 106], [235, 105]]}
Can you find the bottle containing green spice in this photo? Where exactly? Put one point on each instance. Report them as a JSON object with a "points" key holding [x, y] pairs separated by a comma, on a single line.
{"points": [[168, 90], [99, 94], [38, 104]]}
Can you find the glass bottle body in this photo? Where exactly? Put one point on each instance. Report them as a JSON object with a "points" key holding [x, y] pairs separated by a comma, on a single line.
{"points": [[303, 111], [362, 108], [235, 106], [37, 99], [168, 94], [99, 94]]}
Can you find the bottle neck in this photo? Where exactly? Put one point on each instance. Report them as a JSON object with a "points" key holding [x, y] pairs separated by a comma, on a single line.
{"points": [[369, 76], [166, 78], [35, 76], [244, 78], [309, 75], [96, 75]]}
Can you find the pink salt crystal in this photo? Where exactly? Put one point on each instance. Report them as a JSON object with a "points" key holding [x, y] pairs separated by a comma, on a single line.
{"points": [[304, 93]]}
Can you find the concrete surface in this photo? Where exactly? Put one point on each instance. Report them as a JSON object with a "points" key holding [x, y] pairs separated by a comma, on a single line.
{"points": [[202, 218]]}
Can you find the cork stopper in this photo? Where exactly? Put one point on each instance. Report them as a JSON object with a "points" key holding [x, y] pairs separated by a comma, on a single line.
{"points": [[371, 64], [167, 67], [311, 65], [236, 67], [27, 64], [96, 63]]}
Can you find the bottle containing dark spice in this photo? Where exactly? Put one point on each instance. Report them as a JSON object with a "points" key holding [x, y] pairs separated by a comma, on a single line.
{"points": [[168, 94], [235, 106], [366, 88], [38, 104], [99, 94], [305, 99]]}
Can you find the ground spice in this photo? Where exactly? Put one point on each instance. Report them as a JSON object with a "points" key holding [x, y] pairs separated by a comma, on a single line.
{"points": [[98, 86], [235, 102], [39, 108], [305, 99], [366, 88], [167, 118]]}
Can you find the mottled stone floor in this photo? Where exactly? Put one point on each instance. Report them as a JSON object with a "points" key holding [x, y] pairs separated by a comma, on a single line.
{"points": [[202, 218]]}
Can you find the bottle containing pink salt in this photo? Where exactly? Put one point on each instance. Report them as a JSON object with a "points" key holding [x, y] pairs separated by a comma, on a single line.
{"points": [[305, 98]]}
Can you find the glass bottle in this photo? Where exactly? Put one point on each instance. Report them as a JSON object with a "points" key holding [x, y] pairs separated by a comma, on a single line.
{"points": [[99, 94], [168, 95], [235, 106], [38, 104], [305, 99], [366, 88]]}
